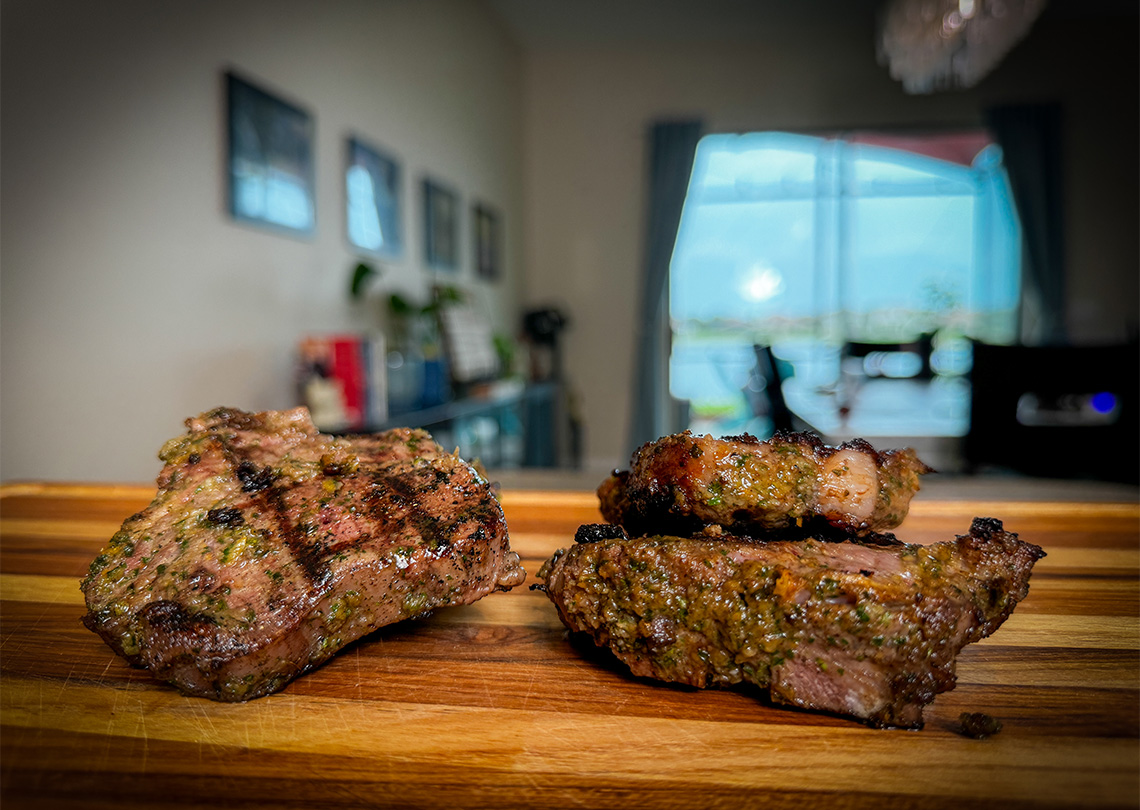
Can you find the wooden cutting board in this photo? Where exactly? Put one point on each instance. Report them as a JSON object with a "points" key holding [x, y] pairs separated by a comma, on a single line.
{"points": [[491, 705]]}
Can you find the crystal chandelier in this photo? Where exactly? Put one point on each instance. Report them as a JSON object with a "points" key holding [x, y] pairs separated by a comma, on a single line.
{"points": [[940, 44]]}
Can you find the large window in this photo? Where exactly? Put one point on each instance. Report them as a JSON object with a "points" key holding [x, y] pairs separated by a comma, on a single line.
{"points": [[805, 244]]}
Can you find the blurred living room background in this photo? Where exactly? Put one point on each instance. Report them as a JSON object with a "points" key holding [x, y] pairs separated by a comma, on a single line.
{"points": [[548, 232]]}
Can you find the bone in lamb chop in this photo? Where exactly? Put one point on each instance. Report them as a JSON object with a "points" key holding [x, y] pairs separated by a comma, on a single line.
{"points": [[270, 546], [864, 629], [681, 484]]}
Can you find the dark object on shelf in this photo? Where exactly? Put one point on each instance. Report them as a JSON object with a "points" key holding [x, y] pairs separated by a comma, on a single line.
{"points": [[1056, 411], [544, 325], [542, 328]]}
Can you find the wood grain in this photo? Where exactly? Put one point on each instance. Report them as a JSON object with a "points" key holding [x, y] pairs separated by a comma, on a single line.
{"points": [[492, 705]]}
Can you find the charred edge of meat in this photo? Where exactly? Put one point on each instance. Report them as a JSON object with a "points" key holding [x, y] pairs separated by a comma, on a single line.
{"points": [[172, 617], [743, 438], [225, 516], [231, 418], [612, 495], [986, 528], [545, 569], [805, 439], [593, 532], [191, 636], [823, 451], [814, 528], [978, 725], [254, 479], [640, 522], [636, 523]]}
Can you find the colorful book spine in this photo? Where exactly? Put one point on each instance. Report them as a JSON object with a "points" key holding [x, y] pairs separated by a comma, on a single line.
{"points": [[342, 380]]}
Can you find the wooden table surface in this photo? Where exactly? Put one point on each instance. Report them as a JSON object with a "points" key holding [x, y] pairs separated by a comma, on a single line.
{"points": [[491, 705]]}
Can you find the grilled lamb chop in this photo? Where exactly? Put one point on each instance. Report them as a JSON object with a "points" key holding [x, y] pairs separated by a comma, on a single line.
{"points": [[869, 631], [269, 547], [683, 483]]}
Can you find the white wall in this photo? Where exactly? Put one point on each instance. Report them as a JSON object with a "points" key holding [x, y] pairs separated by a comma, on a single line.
{"points": [[129, 299], [588, 110]]}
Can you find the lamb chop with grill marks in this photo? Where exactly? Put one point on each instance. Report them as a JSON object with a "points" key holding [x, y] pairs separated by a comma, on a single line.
{"points": [[269, 547], [868, 629], [681, 484]]}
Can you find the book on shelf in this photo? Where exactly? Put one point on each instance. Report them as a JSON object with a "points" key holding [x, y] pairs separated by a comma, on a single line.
{"points": [[342, 379]]}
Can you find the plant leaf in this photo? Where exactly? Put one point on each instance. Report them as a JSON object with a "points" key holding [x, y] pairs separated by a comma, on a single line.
{"points": [[360, 276]]}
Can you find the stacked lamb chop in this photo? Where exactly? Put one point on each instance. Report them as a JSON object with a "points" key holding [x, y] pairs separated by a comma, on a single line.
{"points": [[728, 561]]}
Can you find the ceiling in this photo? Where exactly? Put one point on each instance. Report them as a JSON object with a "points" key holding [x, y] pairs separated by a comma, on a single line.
{"points": [[538, 24], [553, 23]]}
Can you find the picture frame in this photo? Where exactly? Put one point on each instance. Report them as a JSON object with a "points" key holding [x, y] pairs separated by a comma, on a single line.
{"points": [[441, 226], [270, 165], [374, 217], [488, 241], [470, 344]]}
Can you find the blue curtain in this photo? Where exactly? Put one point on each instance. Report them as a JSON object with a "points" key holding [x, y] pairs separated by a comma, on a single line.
{"points": [[672, 146], [1030, 138]]}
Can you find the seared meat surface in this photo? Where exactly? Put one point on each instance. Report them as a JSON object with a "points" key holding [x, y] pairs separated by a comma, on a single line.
{"points": [[269, 547], [866, 630], [683, 483]]}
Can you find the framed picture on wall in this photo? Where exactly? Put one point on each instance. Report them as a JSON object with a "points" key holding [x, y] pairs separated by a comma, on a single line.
{"points": [[270, 159], [441, 226], [373, 193], [487, 242]]}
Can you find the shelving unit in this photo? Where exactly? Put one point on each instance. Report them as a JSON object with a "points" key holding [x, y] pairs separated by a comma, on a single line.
{"points": [[503, 426]]}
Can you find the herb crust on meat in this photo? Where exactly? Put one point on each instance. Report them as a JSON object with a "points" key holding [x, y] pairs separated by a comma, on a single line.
{"points": [[855, 628], [681, 484], [270, 546]]}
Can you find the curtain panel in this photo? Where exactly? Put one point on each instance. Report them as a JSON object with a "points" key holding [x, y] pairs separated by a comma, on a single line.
{"points": [[672, 146], [1030, 138]]}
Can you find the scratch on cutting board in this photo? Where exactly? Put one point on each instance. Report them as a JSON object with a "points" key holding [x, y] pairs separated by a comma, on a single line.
{"points": [[106, 669], [141, 724], [356, 659], [384, 655], [487, 690], [340, 716], [206, 739], [111, 717], [261, 732], [245, 728], [532, 677]]}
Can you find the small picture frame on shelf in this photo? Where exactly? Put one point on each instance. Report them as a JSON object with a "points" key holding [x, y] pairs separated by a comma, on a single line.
{"points": [[487, 242], [469, 342], [270, 159], [373, 200], [441, 226]]}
